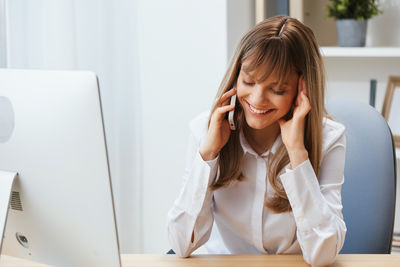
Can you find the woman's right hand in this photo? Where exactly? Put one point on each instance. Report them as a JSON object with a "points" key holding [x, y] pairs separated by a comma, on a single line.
{"points": [[218, 130]]}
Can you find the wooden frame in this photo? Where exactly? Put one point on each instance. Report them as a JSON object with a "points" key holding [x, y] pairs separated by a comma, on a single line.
{"points": [[392, 94]]}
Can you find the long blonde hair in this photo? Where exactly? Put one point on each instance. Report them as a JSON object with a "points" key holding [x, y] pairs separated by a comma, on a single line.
{"points": [[278, 44]]}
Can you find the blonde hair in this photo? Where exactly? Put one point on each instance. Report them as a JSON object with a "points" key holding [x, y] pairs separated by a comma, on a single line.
{"points": [[278, 44]]}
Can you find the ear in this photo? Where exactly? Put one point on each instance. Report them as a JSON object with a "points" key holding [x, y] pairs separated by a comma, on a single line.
{"points": [[304, 86]]}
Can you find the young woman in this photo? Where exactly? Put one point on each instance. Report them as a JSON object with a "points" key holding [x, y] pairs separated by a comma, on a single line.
{"points": [[273, 185]]}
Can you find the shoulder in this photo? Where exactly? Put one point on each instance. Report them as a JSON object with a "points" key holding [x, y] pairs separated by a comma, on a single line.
{"points": [[199, 125], [333, 132]]}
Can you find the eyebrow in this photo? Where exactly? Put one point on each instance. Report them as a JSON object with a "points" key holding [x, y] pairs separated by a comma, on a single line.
{"points": [[251, 76]]}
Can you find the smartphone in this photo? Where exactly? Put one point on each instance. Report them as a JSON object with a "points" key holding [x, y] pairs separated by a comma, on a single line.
{"points": [[231, 114]]}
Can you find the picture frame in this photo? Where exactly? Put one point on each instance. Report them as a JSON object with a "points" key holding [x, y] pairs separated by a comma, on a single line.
{"points": [[391, 107]]}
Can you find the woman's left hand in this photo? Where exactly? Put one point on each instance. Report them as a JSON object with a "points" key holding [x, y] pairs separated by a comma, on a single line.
{"points": [[292, 131]]}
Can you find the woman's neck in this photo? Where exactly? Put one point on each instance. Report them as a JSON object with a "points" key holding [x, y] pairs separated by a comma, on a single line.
{"points": [[263, 139]]}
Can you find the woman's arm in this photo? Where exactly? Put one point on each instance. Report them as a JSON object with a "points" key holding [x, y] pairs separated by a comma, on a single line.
{"points": [[317, 207], [190, 220]]}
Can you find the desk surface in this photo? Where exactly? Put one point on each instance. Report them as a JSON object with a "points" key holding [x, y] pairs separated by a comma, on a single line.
{"points": [[151, 260]]}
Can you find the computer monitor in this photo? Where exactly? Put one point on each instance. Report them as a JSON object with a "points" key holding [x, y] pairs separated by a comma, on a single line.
{"points": [[52, 135]]}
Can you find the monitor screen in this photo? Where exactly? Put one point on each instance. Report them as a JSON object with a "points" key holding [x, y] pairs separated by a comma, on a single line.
{"points": [[61, 208]]}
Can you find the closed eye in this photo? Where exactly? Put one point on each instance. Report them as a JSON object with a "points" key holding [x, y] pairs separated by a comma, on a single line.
{"points": [[281, 92], [248, 83]]}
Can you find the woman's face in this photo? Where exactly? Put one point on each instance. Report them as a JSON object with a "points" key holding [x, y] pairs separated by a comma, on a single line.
{"points": [[264, 103]]}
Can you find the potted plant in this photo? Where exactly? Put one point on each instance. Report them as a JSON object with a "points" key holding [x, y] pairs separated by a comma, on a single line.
{"points": [[351, 19]]}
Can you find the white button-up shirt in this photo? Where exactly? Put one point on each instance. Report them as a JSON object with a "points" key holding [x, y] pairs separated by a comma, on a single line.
{"points": [[235, 220]]}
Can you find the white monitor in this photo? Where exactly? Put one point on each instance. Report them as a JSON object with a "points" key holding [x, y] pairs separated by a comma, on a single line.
{"points": [[51, 133]]}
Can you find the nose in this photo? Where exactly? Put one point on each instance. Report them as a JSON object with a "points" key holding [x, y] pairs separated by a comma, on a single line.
{"points": [[259, 96]]}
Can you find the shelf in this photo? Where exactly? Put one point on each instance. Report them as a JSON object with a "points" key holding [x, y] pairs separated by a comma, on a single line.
{"points": [[335, 51]]}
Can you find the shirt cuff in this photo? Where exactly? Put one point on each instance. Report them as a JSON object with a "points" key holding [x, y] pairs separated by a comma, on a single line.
{"points": [[305, 197], [212, 163]]}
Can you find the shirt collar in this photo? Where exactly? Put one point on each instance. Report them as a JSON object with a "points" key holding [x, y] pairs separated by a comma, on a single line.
{"points": [[248, 149]]}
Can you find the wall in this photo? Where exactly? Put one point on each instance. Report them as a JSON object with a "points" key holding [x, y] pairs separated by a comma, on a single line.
{"points": [[383, 29], [182, 49]]}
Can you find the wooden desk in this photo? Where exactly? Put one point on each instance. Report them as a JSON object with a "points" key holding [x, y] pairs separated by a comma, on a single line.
{"points": [[151, 260]]}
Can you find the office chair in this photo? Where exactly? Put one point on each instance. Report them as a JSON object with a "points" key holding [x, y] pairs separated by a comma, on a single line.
{"points": [[369, 189]]}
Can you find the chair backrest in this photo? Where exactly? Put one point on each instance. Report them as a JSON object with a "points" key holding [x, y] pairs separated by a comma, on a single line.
{"points": [[369, 189]]}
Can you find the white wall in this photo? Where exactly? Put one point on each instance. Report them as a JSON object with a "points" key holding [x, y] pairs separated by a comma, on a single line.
{"points": [[182, 49], [384, 30]]}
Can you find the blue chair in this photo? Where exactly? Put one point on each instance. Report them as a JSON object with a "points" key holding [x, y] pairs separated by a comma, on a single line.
{"points": [[369, 189]]}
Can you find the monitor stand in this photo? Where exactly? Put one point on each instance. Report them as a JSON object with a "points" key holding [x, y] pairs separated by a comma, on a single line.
{"points": [[6, 183]]}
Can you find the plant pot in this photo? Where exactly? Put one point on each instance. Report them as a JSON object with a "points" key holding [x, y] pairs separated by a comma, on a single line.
{"points": [[351, 32]]}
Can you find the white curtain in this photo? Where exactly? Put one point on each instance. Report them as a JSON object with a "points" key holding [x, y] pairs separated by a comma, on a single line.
{"points": [[101, 36]]}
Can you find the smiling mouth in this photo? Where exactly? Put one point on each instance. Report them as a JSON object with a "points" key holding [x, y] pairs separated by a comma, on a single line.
{"points": [[258, 111]]}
